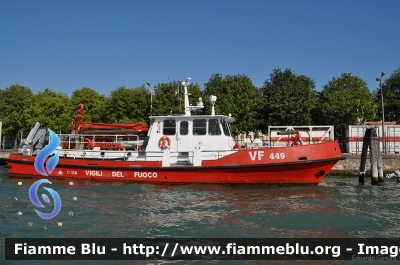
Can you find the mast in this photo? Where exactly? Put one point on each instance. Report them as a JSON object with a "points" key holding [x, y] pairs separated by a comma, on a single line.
{"points": [[188, 107]]}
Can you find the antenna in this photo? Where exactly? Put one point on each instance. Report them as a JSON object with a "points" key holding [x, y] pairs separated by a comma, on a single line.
{"points": [[179, 96], [212, 100], [151, 98]]}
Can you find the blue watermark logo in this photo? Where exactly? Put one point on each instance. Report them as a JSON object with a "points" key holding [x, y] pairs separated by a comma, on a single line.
{"points": [[45, 152], [35, 200], [51, 164]]}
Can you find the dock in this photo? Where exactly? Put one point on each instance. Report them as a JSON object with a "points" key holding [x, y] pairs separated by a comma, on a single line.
{"points": [[4, 156], [351, 165]]}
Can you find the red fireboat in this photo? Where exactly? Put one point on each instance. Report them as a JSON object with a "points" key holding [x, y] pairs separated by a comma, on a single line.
{"points": [[175, 149]]}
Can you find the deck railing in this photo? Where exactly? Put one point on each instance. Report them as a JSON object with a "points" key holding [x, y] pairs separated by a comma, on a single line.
{"points": [[78, 141]]}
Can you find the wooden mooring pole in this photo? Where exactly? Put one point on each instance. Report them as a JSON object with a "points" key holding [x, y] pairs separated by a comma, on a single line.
{"points": [[364, 155], [380, 162], [374, 160], [371, 140]]}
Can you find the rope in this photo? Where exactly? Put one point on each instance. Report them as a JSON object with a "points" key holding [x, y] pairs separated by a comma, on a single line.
{"points": [[357, 173]]}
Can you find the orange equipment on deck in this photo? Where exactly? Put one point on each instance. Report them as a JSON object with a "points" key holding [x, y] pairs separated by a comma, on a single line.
{"points": [[79, 124], [103, 145], [139, 128]]}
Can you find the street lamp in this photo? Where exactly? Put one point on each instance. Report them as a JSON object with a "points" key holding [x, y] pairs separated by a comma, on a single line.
{"points": [[151, 98], [1, 123], [383, 112]]}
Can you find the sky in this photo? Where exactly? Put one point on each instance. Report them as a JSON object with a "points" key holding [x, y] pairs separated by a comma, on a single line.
{"points": [[103, 45]]}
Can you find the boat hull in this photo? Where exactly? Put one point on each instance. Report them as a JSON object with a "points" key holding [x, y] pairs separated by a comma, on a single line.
{"points": [[243, 167]]}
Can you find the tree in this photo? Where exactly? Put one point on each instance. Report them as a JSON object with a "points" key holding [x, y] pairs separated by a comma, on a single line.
{"points": [[236, 95], [52, 109], [94, 104], [289, 98], [13, 100], [127, 105], [391, 97], [344, 101]]}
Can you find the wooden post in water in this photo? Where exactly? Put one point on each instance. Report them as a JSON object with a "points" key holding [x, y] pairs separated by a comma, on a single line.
{"points": [[380, 162], [364, 152], [371, 141], [374, 160]]}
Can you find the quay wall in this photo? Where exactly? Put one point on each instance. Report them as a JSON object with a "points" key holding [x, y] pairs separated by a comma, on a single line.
{"points": [[351, 165], [4, 154]]}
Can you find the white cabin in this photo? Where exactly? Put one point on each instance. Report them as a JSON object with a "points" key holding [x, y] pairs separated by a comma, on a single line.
{"points": [[188, 133]]}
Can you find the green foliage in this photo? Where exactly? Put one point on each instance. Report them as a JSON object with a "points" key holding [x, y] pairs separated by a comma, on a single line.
{"points": [[52, 109], [163, 98], [345, 101], [284, 99], [236, 95], [13, 101], [94, 104], [391, 97], [127, 105], [289, 98]]}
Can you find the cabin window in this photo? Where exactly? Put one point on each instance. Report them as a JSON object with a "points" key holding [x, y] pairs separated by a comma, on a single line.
{"points": [[184, 128], [199, 127], [213, 127], [169, 127], [226, 127]]}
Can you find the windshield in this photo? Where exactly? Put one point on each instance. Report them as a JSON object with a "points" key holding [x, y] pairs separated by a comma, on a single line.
{"points": [[226, 127]]}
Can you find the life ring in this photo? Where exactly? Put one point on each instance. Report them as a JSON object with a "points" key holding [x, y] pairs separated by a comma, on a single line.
{"points": [[164, 142]]}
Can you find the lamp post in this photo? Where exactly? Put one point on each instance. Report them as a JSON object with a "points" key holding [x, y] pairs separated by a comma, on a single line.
{"points": [[383, 112], [151, 97], [1, 123]]}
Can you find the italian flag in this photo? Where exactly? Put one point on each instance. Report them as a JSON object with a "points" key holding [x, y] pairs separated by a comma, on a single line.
{"points": [[176, 92]]}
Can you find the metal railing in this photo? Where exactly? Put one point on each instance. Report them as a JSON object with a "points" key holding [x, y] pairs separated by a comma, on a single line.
{"points": [[78, 141], [308, 134]]}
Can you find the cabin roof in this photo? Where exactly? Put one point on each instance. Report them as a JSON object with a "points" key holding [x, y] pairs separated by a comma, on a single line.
{"points": [[185, 118]]}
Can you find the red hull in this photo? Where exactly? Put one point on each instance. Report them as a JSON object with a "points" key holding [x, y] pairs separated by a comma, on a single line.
{"points": [[307, 164]]}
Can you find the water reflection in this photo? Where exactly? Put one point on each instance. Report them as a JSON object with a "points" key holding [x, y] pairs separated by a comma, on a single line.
{"points": [[338, 207]]}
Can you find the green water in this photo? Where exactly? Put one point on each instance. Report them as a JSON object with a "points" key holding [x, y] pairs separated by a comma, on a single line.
{"points": [[338, 207]]}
